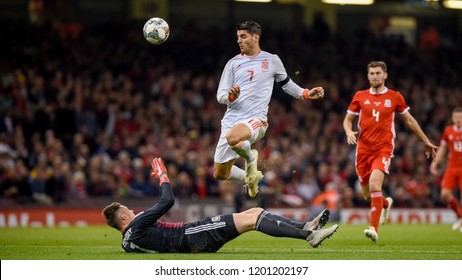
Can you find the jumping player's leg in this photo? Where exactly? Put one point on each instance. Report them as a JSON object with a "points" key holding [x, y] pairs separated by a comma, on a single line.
{"points": [[236, 142], [224, 168], [225, 155], [228, 171], [240, 138]]}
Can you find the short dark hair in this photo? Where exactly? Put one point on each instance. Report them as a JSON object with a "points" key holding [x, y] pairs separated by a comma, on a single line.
{"points": [[250, 26], [380, 64], [109, 213], [457, 110]]}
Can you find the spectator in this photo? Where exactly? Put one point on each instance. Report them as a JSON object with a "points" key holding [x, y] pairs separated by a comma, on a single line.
{"points": [[168, 100]]}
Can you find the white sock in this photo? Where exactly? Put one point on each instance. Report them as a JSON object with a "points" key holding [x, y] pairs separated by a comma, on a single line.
{"points": [[244, 150], [237, 175]]}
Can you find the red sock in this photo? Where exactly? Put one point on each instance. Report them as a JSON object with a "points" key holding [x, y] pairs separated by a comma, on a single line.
{"points": [[454, 205], [376, 209], [385, 203]]}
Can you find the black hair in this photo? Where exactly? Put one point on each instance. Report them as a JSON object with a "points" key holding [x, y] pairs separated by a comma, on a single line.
{"points": [[250, 26]]}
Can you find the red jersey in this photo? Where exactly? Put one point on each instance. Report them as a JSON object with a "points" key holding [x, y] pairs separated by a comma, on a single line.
{"points": [[452, 136], [376, 119]]}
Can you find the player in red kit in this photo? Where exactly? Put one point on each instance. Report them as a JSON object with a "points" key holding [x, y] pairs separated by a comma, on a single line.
{"points": [[452, 139], [375, 137]]}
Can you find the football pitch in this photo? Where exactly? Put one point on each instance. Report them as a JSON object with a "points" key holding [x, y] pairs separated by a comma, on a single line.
{"points": [[396, 242]]}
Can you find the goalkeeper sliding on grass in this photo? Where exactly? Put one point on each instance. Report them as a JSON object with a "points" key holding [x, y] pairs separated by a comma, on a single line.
{"points": [[145, 233]]}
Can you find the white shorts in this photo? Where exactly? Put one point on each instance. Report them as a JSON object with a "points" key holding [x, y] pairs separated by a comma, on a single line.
{"points": [[224, 153]]}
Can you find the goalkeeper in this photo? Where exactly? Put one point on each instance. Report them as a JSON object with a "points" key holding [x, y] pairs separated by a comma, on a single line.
{"points": [[145, 233]]}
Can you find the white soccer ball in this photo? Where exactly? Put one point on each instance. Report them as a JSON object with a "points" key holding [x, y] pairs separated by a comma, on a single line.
{"points": [[156, 31]]}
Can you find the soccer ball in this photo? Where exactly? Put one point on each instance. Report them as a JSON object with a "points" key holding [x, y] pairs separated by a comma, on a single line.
{"points": [[156, 31]]}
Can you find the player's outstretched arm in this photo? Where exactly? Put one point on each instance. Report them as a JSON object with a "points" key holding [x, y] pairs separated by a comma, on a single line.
{"points": [[159, 171], [166, 198]]}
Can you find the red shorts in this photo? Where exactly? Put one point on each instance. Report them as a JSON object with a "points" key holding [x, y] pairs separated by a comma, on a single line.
{"points": [[451, 178], [365, 163]]}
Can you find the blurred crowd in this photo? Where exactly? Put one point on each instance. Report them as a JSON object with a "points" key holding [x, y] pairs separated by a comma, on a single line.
{"points": [[83, 110]]}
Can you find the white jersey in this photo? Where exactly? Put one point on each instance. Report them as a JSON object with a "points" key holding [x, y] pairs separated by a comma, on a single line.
{"points": [[255, 76]]}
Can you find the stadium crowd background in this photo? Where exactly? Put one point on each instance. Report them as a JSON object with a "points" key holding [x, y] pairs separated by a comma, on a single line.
{"points": [[84, 110]]}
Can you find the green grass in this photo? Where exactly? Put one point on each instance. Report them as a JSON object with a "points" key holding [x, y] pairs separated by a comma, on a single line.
{"points": [[397, 242]]}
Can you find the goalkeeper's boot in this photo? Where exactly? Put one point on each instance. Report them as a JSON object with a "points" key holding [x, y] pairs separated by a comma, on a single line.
{"points": [[386, 212], [319, 222], [316, 237], [372, 234]]}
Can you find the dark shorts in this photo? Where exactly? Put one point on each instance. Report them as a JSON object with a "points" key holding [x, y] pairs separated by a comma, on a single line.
{"points": [[209, 234]]}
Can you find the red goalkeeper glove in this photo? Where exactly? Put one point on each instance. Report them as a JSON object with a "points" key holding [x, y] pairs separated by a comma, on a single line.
{"points": [[159, 171]]}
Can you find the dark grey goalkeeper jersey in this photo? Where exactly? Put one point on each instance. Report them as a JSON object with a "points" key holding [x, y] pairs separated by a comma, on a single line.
{"points": [[146, 234]]}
